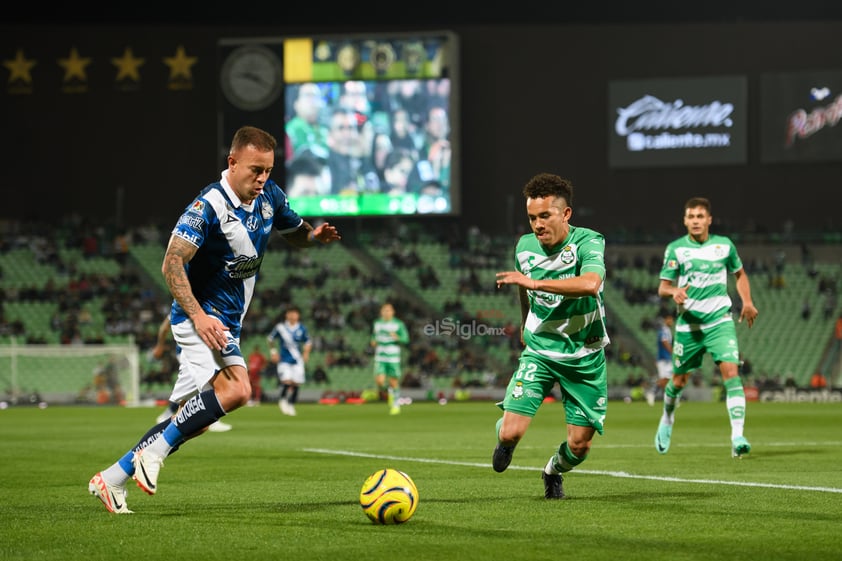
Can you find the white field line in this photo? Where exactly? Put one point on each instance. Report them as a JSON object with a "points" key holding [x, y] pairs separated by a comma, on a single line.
{"points": [[620, 474]]}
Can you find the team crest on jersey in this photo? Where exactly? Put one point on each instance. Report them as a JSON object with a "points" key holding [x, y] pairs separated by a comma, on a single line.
{"points": [[719, 251], [198, 207], [251, 223], [517, 391], [266, 210], [567, 255]]}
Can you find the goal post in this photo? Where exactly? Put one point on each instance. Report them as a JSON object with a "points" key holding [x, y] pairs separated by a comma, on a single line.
{"points": [[70, 374]]}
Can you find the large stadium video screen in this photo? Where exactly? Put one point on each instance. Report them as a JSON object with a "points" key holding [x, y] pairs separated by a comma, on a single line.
{"points": [[370, 122]]}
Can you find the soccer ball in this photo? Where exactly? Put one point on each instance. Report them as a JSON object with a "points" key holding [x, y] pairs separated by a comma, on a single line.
{"points": [[389, 496]]}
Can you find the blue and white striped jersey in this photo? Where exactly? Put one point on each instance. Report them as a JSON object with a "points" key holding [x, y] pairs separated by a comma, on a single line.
{"points": [[231, 238], [291, 340]]}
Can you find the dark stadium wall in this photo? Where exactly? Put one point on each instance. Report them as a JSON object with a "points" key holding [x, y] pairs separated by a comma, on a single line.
{"points": [[533, 98]]}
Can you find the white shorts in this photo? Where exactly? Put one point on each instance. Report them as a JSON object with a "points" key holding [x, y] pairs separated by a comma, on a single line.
{"points": [[664, 369], [291, 373], [197, 363]]}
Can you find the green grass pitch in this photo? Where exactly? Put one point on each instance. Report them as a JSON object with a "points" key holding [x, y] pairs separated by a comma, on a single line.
{"points": [[278, 487]]}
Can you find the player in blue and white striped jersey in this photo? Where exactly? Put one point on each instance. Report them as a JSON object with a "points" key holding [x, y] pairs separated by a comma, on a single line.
{"points": [[210, 266], [290, 355]]}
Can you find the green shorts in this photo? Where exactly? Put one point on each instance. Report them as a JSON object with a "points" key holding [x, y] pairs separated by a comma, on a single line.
{"points": [[689, 347], [583, 383], [388, 369]]}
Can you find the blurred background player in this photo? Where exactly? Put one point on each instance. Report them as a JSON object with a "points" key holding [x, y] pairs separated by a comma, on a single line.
{"points": [[695, 275], [387, 335], [663, 359], [291, 354]]}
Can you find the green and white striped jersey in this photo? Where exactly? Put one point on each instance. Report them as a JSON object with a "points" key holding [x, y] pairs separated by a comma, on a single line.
{"points": [[389, 336], [703, 268], [562, 327]]}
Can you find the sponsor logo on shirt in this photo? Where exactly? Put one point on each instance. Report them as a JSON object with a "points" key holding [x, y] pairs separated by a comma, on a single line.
{"points": [[243, 266], [192, 221], [192, 238]]}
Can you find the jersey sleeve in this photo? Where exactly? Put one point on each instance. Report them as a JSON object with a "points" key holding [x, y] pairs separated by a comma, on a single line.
{"points": [[286, 219], [734, 263], [592, 255], [669, 268], [192, 225]]}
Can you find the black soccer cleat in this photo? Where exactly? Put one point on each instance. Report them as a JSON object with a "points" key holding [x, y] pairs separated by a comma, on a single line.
{"points": [[502, 457], [552, 486]]}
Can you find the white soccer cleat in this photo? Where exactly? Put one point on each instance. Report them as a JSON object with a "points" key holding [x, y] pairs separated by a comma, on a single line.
{"points": [[112, 496], [219, 426], [287, 408], [147, 465]]}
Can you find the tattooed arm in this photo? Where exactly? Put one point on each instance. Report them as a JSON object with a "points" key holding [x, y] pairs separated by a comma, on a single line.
{"points": [[209, 328]]}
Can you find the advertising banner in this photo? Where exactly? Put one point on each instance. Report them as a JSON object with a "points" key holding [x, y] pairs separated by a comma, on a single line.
{"points": [[800, 114], [677, 122]]}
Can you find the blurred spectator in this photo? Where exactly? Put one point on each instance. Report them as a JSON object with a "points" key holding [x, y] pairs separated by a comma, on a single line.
{"points": [[305, 177], [305, 130], [818, 381], [396, 170], [402, 129], [121, 246], [257, 363], [345, 160], [320, 375]]}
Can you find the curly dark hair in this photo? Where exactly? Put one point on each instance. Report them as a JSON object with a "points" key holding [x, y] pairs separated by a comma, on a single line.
{"points": [[549, 185]]}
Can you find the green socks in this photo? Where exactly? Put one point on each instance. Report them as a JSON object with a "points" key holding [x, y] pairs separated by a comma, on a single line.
{"points": [[564, 460], [735, 401]]}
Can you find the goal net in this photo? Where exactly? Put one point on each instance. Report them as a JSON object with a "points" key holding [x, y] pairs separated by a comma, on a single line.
{"points": [[66, 374]]}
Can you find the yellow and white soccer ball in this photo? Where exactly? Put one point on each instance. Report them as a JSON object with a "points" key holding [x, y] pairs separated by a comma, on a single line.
{"points": [[389, 496]]}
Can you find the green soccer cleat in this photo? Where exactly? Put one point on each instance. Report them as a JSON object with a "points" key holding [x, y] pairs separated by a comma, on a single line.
{"points": [[739, 447], [662, 438]]}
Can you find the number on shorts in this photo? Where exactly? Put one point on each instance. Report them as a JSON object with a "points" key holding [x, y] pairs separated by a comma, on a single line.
{"points": [[526, 371]]}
